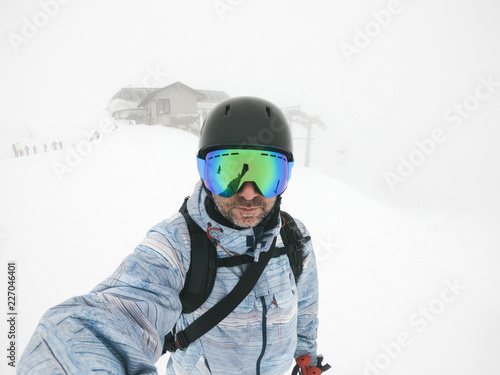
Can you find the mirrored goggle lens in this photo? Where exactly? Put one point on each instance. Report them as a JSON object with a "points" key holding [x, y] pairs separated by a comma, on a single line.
{"points": [[225, 171]]}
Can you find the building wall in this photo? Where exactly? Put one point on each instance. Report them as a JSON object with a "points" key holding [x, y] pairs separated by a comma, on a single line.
{"points": [[182, 101], [183, 107]]}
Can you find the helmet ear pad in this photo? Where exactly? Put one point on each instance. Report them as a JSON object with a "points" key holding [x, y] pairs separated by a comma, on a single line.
{"points": [[246, 122]]}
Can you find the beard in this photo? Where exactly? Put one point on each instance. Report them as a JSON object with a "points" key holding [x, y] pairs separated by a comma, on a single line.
{"points": [[229, 208]]}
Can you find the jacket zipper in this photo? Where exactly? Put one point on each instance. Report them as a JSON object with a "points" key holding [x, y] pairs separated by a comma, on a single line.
{"points": [[264, 333]]}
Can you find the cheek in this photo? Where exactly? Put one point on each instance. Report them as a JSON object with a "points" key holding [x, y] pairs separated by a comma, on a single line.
{"points": [[269, 204], [228, 205]]}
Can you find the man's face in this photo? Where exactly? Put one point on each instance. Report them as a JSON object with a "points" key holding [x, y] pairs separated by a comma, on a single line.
{"points": [[246, 208]]}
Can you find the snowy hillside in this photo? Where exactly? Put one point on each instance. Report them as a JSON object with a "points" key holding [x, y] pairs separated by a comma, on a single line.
{"points": [[398, 295]]}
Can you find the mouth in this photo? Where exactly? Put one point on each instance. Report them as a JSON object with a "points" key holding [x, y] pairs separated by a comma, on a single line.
{"points": [[247, 211]]}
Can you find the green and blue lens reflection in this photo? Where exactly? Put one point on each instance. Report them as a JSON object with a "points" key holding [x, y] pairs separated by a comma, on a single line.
{"points": [[225, 171]]}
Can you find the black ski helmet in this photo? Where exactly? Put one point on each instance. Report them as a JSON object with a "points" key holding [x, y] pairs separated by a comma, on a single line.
{"points": [[246, 122]]}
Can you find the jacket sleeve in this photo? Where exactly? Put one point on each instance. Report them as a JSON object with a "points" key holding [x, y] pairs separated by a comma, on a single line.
{"points": [[307, 318], [120, 326]]}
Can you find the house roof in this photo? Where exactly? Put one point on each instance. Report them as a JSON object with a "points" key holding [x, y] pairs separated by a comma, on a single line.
{"points": [[202, 95], [136, 97], [213, 96], [178, 84], [133, 93]]}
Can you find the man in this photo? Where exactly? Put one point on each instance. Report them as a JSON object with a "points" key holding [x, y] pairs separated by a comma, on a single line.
{"points": [[244, 161]]}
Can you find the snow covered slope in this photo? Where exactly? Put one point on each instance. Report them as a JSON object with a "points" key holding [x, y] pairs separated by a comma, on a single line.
{"points": [[398, 295]]}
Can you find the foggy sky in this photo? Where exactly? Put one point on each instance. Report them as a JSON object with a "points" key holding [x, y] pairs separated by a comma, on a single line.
{"points": [[426, 58]]}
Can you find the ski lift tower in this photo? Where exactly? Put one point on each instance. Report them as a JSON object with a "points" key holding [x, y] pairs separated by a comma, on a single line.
{"points": [[294, 114]]}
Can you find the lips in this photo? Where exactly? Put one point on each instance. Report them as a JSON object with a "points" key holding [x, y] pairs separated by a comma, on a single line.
{"points": [[247, 211]]}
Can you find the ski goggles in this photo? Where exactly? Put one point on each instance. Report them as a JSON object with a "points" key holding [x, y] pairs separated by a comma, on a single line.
{"points": [[225, 171]]}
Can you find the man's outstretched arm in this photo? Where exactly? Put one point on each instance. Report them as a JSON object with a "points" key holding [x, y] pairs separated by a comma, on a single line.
{"points": [[119, 327]]}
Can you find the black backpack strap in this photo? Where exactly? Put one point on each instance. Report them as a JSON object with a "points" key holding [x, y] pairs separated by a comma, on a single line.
{"points": [[233, 261], [294, 242], [238, 260], [197, 288], [225, 306]]}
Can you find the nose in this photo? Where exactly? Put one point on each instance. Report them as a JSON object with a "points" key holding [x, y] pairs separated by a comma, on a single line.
{"points": [[248, 190]]}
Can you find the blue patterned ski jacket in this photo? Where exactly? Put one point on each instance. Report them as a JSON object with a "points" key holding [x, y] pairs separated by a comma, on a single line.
{"points": [[120, 326]]}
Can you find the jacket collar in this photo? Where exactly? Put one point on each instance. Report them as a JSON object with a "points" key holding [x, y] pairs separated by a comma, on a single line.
{"points": [[231, 239]]}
